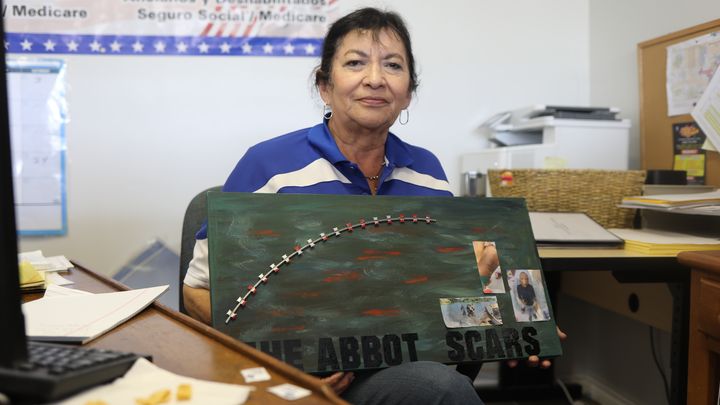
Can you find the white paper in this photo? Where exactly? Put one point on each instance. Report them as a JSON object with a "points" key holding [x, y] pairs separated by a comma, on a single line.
{"points": [[42, 263], [52, 278], [145, 378], [663, 237], [709, 146], [255, 374], [59, 291], [707, 111], [31, 256], [58, 263], [568, 227], [690, 65], [289, 391], [81, 318]]}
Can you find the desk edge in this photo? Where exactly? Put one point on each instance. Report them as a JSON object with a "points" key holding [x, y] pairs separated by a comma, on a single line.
{"points": [[286, 370]]}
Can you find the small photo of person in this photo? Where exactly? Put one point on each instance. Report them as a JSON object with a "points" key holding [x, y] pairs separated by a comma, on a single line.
{"points": [[469, 312], [528, 295], [488, 264]]}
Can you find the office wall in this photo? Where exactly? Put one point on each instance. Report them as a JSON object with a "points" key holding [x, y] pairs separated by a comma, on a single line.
{"points": [[147, 133], [616, 27]]}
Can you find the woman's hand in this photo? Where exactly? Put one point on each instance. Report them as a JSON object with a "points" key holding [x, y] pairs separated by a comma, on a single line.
{"points": [[534, 361], [339, 382]]}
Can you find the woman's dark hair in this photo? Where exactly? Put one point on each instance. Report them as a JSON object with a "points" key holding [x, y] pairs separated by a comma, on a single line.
{"points": [[364, 19]]}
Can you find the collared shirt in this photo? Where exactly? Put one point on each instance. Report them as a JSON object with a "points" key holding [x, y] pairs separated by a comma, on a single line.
{"points": [[309, 161]]}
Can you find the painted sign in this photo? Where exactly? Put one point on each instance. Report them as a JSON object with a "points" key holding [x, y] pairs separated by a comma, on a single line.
{"points": [[172, 27], [327, 282]]}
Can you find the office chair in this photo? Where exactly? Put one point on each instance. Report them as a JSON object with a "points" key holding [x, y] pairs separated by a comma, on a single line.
{"points": [[195, 215]]}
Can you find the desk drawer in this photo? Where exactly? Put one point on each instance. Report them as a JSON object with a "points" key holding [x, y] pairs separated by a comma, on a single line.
{"points": [[709, 311]]}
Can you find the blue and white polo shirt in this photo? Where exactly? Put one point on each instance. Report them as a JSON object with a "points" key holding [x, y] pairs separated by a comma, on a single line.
{"points": [[309, 161]]}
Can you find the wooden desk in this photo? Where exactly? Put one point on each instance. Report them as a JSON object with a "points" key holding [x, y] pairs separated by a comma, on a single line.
{"points": [[630, 267], [704, 349], [185, 346], [627, 266]]}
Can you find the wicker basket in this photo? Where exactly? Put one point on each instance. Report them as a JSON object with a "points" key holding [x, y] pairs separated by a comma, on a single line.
{"points": [[594, 192]]}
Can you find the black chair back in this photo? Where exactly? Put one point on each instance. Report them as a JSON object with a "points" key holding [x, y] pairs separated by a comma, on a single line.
{"points": [[195, 215]]}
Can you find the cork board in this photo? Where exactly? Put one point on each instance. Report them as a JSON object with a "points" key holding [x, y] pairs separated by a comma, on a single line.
{"points": [[656, 137]]}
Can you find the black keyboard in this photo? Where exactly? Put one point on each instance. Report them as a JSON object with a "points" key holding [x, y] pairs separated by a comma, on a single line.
{"points": [[55, 371]]}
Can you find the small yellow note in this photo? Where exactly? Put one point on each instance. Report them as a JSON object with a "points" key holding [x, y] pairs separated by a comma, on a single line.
{"points": [[29, 275]]}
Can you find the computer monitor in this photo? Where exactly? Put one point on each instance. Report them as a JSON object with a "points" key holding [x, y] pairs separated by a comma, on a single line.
{"points": [[13, 347]]}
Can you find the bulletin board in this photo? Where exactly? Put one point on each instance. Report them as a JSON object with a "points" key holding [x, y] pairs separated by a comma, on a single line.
{"points": [[656, 124], [344, 282]]}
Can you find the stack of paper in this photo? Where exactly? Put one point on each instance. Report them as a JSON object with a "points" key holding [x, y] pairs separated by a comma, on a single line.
{"points": [[670, 201], [38, 271], [654, 242], [30, 278], [66, 315], [42, 263]]}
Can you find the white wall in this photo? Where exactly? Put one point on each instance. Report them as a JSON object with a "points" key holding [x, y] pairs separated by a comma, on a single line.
{"points": [[147, 133], [616, 27]]}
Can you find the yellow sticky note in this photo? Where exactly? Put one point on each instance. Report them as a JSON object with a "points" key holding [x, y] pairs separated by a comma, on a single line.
{"points": [[29, 275]]}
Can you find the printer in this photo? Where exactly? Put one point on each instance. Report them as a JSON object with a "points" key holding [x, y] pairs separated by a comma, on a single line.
{"points": [[548, 137], [551, 137]]}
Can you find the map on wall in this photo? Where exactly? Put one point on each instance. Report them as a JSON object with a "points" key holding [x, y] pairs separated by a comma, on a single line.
{"points": [[690, 66], [327, 282]]}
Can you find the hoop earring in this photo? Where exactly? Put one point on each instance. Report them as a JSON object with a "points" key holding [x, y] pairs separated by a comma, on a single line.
{"points": [[327, 112], [407, 117]]}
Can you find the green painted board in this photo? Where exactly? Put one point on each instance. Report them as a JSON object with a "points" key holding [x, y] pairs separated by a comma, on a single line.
{"points": [[370, 293]]}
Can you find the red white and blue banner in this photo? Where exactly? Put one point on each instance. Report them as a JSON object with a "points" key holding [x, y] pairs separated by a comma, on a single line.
{"points": [[167, 27]]}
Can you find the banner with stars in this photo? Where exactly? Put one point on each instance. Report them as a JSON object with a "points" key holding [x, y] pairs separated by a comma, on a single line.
{"points": [[168, 27]]}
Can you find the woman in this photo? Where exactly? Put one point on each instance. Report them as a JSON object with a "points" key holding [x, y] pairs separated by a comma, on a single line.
{"points": [[366, 79]]}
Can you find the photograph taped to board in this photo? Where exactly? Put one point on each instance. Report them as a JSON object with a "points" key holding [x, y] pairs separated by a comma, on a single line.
{"points": [[329, 282], [528, 296], [488, 263], [475, 311]]}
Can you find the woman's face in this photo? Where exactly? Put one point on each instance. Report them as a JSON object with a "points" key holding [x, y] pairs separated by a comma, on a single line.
{"points": [[369, 80]]}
